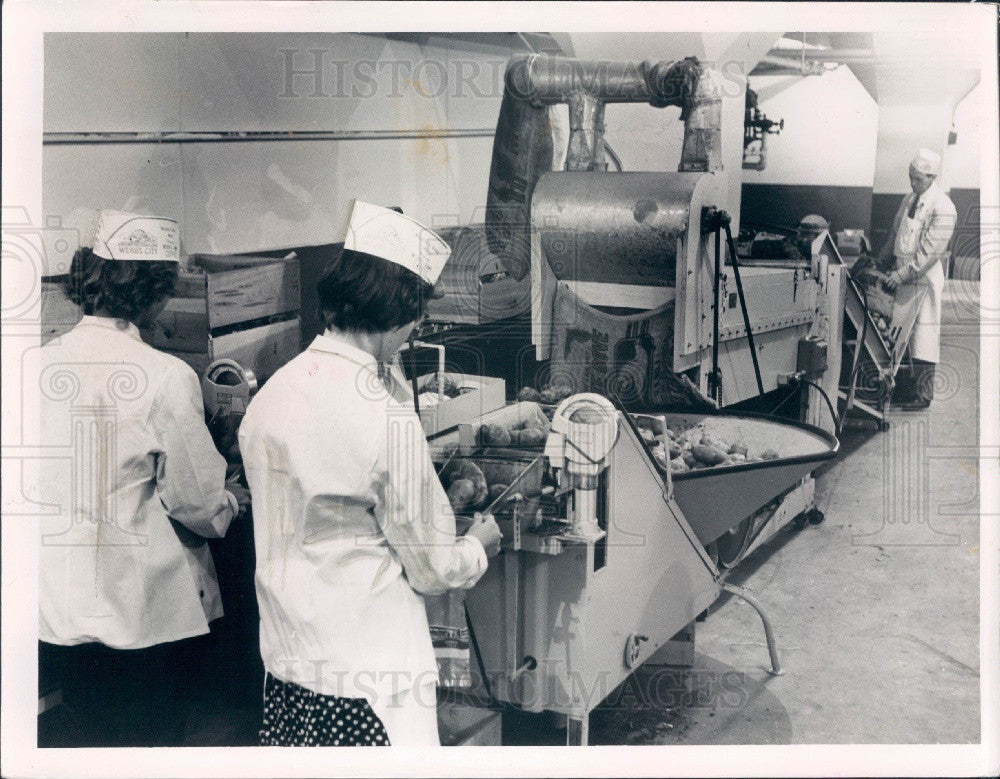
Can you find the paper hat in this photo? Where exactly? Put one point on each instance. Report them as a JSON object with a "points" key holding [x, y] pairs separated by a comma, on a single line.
{"points": [[392, 236], [124, 236], [814, 220], [926, 162]]}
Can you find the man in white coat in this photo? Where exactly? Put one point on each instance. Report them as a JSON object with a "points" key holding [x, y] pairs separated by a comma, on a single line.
{"points": [[918, 242]]}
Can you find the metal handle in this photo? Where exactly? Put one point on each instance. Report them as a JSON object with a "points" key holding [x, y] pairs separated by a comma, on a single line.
{"points": [[528, 664]]}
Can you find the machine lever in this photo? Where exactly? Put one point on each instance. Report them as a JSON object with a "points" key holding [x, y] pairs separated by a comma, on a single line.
{"points": [[731, 244]]}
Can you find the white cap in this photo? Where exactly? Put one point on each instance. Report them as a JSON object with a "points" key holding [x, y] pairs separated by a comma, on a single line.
{"points": [[926, 162], [125, 236], [392, 236], [814, 220]]}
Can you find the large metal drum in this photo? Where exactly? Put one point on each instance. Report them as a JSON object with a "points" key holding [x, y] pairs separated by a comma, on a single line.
{"points": [[615, 228]]}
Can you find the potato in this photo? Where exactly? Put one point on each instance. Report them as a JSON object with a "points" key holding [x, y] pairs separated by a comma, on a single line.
{"points": [[677, 465], [529, 394], [461, 494], [676, 450], [647, 434], [769, 454], [671, 434], [459, 469], [448, 385], [689, 458], [709, 455], [496, 490], [494, 435], [562, 391], [556, 393], [739, 449], [530, 436], [715, 443], [658, 452], [736, 457]]}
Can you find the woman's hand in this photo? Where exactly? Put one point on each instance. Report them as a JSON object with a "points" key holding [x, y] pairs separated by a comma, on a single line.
{"points": [[485, 529], [241, 493]]}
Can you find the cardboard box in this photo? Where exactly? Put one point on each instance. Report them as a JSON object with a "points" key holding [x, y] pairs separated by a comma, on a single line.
{"points": [[488, 394]]}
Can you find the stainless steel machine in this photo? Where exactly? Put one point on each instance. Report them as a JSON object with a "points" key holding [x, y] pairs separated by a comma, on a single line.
{"points": [[638, 311]]}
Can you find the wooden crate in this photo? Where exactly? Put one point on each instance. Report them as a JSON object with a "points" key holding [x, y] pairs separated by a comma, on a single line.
{"points": [[59, 314], [262, 349], [237, 291]]}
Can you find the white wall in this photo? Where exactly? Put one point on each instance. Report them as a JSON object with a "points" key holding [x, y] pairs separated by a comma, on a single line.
{"points": [[831, 124], [246, 196], [902, 130], [961, 167]]}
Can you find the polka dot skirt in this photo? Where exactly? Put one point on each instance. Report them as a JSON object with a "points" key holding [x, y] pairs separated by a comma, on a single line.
{"points": [[297, 717]]}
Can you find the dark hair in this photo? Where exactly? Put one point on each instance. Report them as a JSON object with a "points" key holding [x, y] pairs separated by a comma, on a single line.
{"points": [[359, 291], [125, 289]]}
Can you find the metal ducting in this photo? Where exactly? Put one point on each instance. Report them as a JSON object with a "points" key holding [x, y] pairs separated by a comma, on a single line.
{"points": [[523, 147]]}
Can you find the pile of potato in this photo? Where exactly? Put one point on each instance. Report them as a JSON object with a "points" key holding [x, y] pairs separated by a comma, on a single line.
{"points": [[693, 448], [429, 391], [551, 395], [884, 326], [530, 430], [466, 486]]}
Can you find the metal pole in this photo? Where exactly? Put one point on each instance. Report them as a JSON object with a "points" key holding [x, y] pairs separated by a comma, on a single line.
{"points": [[716, 378], [743, 305]]}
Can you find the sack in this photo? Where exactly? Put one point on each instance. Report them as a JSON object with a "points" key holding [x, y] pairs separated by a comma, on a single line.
{"points": [[450, 637], [624, 356]]}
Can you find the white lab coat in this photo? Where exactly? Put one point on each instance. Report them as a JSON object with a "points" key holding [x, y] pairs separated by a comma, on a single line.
{"points": [[920, 247], [127, 450], [350, 525]]}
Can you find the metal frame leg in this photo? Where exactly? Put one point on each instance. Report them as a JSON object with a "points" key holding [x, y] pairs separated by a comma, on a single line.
{"points": [[577, 731], [772, 648]]}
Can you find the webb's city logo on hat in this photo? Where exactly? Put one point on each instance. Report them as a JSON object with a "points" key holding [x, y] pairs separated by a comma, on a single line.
{"points": [[124, 236]]}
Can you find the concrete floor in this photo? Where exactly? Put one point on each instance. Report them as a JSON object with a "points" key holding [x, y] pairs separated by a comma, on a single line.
{"points": [[876, 610]]}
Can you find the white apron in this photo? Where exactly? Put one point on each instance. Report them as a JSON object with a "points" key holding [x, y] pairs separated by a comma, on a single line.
{"points": [[925, 342]]}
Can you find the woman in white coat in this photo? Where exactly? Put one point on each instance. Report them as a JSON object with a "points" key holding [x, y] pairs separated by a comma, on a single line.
{"points": [[351, 525], [135, 487], [918, 242]]}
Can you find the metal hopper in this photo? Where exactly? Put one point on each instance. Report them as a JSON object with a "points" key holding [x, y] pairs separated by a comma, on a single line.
{"points": [[715, 499]]}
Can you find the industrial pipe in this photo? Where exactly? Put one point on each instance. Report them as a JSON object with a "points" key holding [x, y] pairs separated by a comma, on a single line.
{"points": [[523, 148]]}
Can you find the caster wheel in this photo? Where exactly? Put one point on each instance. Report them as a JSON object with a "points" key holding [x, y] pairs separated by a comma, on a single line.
{"points": [[883, 425], [815, 516], [800, 521]]}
